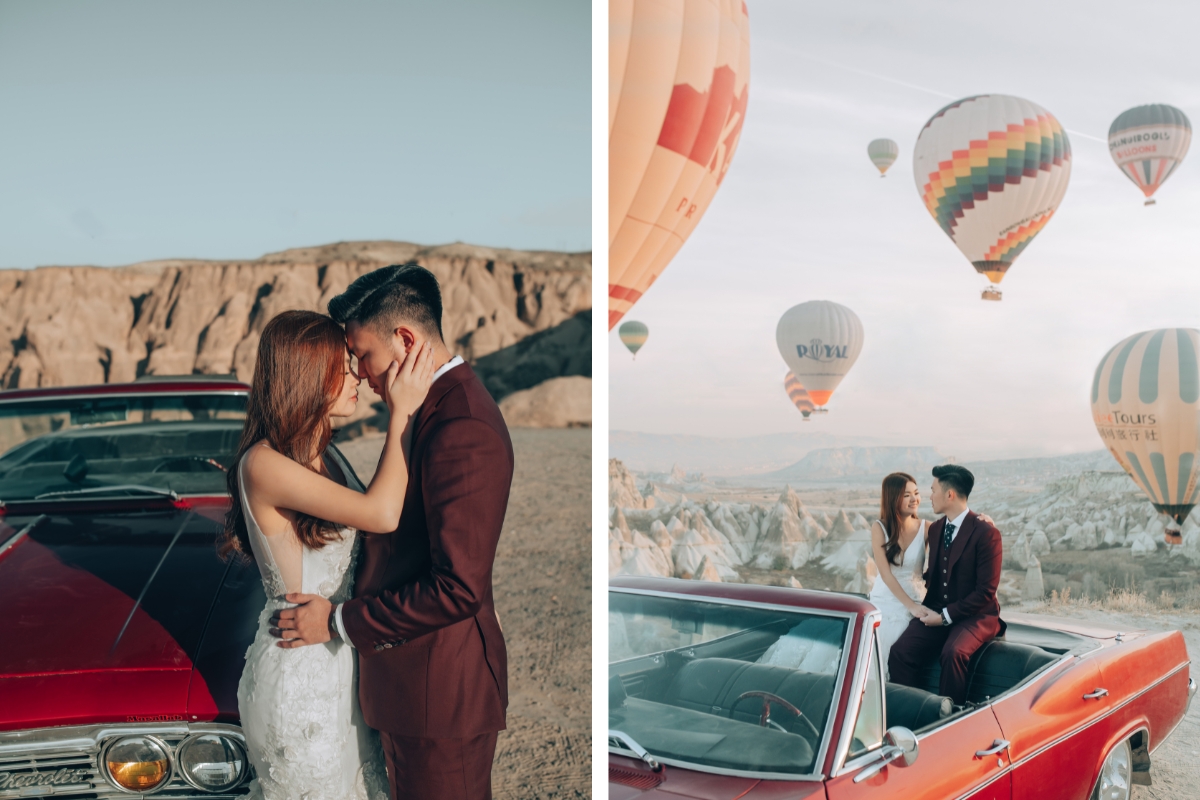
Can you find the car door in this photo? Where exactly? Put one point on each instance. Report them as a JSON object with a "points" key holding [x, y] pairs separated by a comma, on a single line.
{"points": [[948, 765], [1054, 742]]}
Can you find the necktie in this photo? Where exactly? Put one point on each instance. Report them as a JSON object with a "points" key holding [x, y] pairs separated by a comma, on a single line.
{"points": [[948, 535]]}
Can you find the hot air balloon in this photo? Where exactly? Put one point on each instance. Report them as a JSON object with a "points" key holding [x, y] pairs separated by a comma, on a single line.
{"points": [[798, 395], [992, 170], [633, 335], [678, 89], [882, 153], [820, 341], [1146, 406], [1148, 142]]}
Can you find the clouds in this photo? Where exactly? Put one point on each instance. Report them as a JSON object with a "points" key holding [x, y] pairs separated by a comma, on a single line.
{"points": [[803, 215]]}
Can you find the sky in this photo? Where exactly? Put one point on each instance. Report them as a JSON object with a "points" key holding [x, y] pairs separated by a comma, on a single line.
{"points": [[138, 130], [803, 215]]}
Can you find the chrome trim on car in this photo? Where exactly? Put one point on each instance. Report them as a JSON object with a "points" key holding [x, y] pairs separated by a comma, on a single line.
{"points": [[819, 756], [21, 534], [867, 642], [81, 747], [110, 395]]}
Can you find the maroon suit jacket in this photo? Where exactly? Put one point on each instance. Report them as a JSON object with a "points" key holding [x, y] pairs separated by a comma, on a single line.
{"points": [[968, 587], [432, 661]]}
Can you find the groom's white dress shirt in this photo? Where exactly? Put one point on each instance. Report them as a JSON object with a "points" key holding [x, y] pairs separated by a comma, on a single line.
{"points": [[337, 610], [957, 523]]}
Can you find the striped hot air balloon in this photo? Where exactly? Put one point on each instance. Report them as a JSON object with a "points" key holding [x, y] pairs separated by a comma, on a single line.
{"points": [[678, 72], [992, 170], [633, 335], [883, 153], [1148, 143], [820, 341], [798, 395], [1146, 406]]}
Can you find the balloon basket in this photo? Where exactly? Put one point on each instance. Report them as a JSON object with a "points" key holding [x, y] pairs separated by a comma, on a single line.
{"points": [[991, 293], [1150, 202], [1173, 536]]}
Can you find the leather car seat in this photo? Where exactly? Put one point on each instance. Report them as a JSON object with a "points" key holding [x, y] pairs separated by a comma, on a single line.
{"points": [[713, 685]]}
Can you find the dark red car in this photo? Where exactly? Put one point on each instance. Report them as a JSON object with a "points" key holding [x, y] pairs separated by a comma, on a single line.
{"points": [[122, 634], [727, 691]]}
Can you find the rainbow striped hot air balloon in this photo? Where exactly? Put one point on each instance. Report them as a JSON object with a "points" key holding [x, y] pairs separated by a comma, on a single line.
{"points": [[883, 153], [1146, 406], [798, 395], [1148, 143], [633, 335], [992, 170], [678, 87]]}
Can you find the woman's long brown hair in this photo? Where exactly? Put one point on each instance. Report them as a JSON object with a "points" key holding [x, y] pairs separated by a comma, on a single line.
{"points": [[297, 379], [889, 513]]}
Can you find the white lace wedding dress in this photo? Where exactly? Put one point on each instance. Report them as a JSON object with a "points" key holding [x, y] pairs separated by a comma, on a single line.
{"points": [[895, 615], [299, 707]]}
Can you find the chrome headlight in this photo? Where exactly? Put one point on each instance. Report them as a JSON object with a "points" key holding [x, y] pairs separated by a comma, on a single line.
{"points": [[211, 762], [138, 764]]}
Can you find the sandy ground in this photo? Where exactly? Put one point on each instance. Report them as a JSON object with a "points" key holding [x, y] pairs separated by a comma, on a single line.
{"points": [[543, 589], [1175, 766]]}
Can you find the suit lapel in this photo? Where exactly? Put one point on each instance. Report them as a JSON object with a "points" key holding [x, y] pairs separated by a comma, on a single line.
{"points": [[934, 536], [960, 539]]}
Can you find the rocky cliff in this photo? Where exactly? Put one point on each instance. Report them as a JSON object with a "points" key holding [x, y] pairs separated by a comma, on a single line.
{"points": [[82, 325]]}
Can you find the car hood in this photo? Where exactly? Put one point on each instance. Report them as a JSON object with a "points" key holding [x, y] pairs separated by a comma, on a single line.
{"points": [[117, 602]]}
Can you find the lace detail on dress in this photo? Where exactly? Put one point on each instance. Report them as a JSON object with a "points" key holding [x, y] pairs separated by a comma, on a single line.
{"points": [[299, 708]]}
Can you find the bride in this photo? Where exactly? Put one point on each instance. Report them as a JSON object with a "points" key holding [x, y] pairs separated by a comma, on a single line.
{"points": [[294, 515], [899, 548]]}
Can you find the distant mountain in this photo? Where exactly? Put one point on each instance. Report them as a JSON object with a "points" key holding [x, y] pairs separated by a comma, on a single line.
{"points": [[858, 462], [716, 456]]}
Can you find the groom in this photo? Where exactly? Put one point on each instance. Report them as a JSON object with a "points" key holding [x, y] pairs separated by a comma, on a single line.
{"points": [[432, 663], [960, 613]]}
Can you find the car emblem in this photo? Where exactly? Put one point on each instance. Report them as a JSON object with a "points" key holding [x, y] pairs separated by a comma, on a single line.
{"points": [[65, 776]]}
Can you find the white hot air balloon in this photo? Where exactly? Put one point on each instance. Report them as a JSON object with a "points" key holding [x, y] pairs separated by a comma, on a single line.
{"points": [[820, 341], [1146, 406]]}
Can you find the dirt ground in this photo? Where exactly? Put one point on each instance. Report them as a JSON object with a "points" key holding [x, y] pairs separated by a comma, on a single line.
{"points": [[1175, 766], [543, 587]]}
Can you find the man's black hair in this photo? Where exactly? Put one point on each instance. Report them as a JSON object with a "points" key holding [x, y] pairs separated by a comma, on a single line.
{"points": [[389, 296], [952, 476]]}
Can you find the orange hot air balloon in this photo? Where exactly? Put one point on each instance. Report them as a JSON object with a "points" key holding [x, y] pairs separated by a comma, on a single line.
{"points": [[798, 395], [678, 86]]}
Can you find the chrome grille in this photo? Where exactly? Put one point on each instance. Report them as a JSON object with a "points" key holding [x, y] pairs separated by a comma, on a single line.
{"points": [[63, 762]]}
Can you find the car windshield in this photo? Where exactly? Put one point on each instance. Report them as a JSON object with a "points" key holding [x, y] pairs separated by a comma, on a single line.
{"points": [[721, 686], [89, 447]]}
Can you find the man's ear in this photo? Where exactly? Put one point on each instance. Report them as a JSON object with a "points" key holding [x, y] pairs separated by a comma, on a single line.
{"points": [[404, 338]]}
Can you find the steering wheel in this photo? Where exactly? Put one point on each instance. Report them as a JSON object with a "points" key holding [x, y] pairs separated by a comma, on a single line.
{"points": [[764, 718], [211, 462]]}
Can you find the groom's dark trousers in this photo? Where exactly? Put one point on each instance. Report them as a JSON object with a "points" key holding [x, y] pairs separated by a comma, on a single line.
{"points": [[432, 664], [962, 580]]}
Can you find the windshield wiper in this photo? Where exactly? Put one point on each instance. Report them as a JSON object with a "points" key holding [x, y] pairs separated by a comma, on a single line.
{"points": [[622, 739], [102, 490]]}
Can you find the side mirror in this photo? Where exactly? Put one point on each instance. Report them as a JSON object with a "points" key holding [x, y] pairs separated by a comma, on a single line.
{"points": [[899, 748], [906, 740]]}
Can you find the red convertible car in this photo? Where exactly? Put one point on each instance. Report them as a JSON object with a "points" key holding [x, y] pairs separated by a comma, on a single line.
{"points": [[731, 692], [122, 634]]}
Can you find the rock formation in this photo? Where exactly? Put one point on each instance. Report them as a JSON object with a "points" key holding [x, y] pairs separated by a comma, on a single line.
{"points": [[555, 403], [81, 325]]}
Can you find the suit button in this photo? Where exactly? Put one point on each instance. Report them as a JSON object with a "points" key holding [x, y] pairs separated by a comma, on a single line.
{"points": [[378, 647], [403, 641], [388, 645]]}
